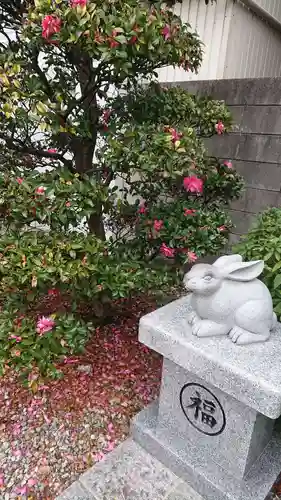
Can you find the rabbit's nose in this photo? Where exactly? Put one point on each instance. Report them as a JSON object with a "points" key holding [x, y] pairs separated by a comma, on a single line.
{"points": [[191, 283]]}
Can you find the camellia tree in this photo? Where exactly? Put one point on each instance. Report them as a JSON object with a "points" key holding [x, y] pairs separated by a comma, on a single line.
{"points": [[103, 181]]}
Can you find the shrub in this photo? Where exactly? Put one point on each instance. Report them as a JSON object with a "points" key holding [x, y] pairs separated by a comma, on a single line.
{"points": [[264, 242], [28, 344], [65, 145]]}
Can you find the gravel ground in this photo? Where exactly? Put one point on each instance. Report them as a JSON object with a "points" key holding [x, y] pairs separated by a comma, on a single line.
{"points": [[49, 438]]}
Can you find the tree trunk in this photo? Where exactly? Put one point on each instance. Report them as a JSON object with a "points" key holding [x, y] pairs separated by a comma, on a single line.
{"points": [[96, 225], [84, 163], [84, 148]]}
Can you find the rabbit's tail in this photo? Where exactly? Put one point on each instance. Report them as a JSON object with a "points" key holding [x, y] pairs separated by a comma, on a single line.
{"points": [[274, 321]]}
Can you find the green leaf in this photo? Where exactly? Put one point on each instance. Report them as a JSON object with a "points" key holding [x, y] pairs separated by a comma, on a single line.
{"points": [[277, 308], [277, 281], [268, 256], [276, 267]]}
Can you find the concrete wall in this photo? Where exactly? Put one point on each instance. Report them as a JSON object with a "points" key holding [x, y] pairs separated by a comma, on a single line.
{"points": [[255, 144]]}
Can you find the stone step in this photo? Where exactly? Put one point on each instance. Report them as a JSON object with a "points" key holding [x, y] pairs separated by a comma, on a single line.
{"points": [[129, 473]]}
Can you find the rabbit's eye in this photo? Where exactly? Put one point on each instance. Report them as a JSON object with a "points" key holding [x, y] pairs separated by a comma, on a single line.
{"points": [[208, 277]]}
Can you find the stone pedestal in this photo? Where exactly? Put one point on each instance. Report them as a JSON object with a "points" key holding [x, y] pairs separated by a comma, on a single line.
{"points": [[214, 422]]}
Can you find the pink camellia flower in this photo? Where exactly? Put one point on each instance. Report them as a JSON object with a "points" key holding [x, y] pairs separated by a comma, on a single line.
{"points": [[19, 180], [222, 228], [75, 3], [44, 325], [220, 127], [40, 190], [142, 209], [228, 164], [106, 115], [50, 26], [189, 211], [191, 256], [52, 150], [176, 136], [16, 353], [167, 251], [158, 224], [193, 184], [133, 40], [53, 292], [113, 43], [166, 32], [16, 338], [68, 204]]}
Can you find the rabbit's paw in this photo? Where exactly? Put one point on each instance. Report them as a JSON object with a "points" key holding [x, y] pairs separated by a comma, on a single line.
{"points": [[192, 318], [207, 328], [242, 337]]}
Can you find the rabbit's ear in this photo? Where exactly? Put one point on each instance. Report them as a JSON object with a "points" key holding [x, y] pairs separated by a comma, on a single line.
{"points": [[226, 260], [244, 271]]}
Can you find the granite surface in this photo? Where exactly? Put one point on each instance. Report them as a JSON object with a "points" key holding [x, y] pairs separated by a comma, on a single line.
{"points": [[233, 443], [129, 473], [208, 480], [183, 492], [76, 492], [126, 473], [251, 374]]}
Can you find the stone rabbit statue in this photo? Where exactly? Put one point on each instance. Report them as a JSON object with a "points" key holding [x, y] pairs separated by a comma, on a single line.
{"points": [[228, 299]]}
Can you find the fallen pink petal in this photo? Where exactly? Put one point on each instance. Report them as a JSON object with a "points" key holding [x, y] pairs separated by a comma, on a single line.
{"points": [[21, 490], [110, 427], [17, 453], [110, 446], [78, 410], [31, 482], [99, 457]]}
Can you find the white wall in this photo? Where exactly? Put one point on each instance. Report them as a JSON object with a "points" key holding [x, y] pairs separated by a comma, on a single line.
{"points": [[238, 43], [212, 23], [254, 48], [273, 7]]}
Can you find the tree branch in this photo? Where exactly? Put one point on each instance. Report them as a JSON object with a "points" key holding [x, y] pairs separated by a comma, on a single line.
{"points": [[19, 146], [35, 65]]}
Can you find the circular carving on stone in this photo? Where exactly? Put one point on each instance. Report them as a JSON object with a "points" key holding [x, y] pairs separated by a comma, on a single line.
{"points": [[202, 409]]}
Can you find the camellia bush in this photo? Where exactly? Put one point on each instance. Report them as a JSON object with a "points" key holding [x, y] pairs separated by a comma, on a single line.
{"points": [[263, 241], [106, 189]]}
